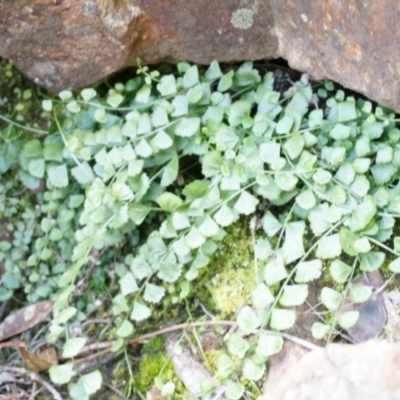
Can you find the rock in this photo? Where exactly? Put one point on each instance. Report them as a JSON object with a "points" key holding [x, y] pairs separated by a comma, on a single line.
{"points": [[368, 371], [69, 44], [61, 44]]}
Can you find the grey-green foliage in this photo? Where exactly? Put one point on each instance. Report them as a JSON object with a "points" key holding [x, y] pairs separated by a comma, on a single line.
{"points": [[331, 171]]}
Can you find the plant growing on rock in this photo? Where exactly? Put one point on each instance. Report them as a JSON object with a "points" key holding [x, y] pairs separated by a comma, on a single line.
{"points": [[161, 165]]}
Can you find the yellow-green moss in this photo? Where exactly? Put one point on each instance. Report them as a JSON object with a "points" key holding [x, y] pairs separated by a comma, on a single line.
{"points": [[153, 366], [230, 276]]}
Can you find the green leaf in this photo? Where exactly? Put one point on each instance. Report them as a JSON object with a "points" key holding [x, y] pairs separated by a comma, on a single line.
{"points": [[208, 227], [268, 345], [119, 304], [181, 106], [360, 186], [181, 247], [170, 172], [140, 312], [346, 111], [53, 152], [83, 173], [180, 221], [213, 72], [348, 319], [47, 224], [253, 371], [135, 167], [275, 270], [319, 330], [261, 296], [284, 125], [138, 212], [65, 95], [100, 115], [225, 216], [359, 293], [194, 238], [372, 261], [91, 382], [271, 225], [195, 190], [234, 390], [363, 214], [247, 320], [317, 219], [270, 152], [128, 284], [306, 199], [61, 374], [340, 271], [188, 127], [73, 106], [226, 136], [345, 174], [143, 149], [282, 319], [153, 293], [88, 94], [362, 245], [36, 167], [293, 247], [226, 81], [263, 249], [169, 272], [115, 99], [159, 117], [294, 146], [307, 271], [237, 346], [169, 201], [238, 111], [286, 180], [162, 140], [58, 175], [47, 105], [212, 163], [168, 389], [340, 132], [246, 204], [65, 315], [191, 77], [329, 247], [294, 295], [73, 346], [394, 266], [167, 85], [347, 239], [32, 149], [225, 366], [331, 299], [383, 173], [322, 177]]}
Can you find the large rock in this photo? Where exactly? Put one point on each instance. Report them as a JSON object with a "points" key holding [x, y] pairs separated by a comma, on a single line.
{"points": [[368, 371], [73, 43]]}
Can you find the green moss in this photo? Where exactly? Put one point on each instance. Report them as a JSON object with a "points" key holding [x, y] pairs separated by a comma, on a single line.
{"points": [[230, 276], [152, 366]]}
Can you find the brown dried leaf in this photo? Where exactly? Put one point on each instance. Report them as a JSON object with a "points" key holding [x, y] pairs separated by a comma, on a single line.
{"points": [[24, 319], [39, 362]]}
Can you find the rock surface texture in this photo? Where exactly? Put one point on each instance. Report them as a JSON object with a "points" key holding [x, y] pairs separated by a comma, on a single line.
{"points": [[368, 371], [73, 43]]}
